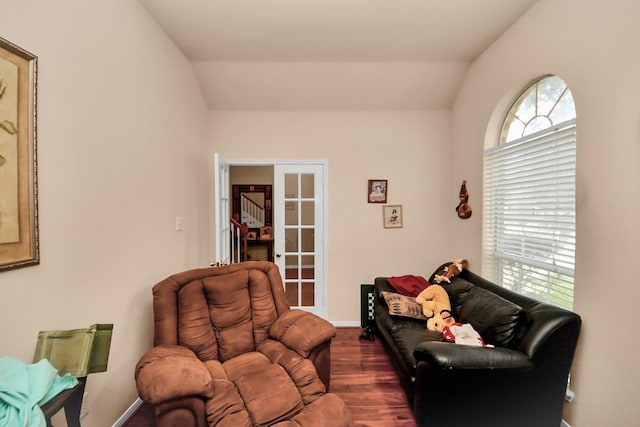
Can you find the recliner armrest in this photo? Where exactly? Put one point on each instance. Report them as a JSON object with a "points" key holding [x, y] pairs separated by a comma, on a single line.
{"points": [[301, 331], [445, 355], [168, 372]]}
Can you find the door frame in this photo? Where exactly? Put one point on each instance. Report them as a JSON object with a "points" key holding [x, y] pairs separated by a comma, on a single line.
{"points": [[222, 231], [324, 309]]}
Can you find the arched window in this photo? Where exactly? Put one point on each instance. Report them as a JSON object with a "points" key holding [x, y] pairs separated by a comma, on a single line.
{"points": [[529, 196]]}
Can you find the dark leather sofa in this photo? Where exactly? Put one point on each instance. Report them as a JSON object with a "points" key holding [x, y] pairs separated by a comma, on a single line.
{"points": [[519, 383]]}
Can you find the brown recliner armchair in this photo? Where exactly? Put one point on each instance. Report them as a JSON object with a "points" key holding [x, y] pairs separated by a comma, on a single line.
{"points": [[229, 351]]}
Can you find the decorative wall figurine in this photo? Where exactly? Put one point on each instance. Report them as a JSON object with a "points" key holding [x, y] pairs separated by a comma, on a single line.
{"points": [[463, 208]]}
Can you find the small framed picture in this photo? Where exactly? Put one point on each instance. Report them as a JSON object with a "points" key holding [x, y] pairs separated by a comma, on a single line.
{"points": [[392, 216], [252, 235], [265, 233], [377, 191]]}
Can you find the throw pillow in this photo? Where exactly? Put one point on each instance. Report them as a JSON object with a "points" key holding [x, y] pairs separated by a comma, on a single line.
{"points": [[408, 285], [495, 318], [403, 306]]}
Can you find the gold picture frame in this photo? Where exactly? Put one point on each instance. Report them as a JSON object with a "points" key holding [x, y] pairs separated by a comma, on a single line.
{"points": [[392, 216], [19, 238]]}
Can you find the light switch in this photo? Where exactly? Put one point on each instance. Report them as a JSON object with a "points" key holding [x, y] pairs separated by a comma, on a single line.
{"points": [[178, 223]]}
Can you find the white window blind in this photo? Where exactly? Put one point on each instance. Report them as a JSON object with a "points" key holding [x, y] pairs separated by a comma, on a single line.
{"points": [[529, 214]]}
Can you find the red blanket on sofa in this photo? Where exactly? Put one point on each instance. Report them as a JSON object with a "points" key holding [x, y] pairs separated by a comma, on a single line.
{"points": [[408, 285]]}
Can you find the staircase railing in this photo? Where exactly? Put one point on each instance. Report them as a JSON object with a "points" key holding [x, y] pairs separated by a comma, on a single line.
{"points": [[250, 211], [238, 242]]}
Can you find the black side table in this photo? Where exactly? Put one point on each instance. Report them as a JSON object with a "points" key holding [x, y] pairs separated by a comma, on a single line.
{"points": [[70, 400]]}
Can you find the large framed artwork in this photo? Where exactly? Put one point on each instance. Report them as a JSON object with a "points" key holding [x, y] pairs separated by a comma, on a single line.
{"points": [[19, 240]]}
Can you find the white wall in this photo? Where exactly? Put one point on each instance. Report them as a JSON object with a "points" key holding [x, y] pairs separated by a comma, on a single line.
{"points": [[410, 149], [121, 126], [593, 46]]}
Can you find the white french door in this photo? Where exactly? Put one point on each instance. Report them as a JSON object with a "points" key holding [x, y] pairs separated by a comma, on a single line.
{"points": [[300, 232]]}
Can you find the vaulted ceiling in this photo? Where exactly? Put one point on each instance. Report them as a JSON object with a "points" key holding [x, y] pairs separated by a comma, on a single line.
{"points": [[333, 54]]}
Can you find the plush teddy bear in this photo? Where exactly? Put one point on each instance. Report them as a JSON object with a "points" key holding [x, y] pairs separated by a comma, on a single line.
{"points": [[436, 306]]}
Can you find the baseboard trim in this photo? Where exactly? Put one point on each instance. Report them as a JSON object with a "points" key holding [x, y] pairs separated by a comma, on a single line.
{"points": [[346, 323], [128, 413]]}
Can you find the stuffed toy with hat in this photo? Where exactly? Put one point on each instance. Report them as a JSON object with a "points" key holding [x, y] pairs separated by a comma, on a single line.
{"points": [[463, 334], [436, 306], [451, 270]]}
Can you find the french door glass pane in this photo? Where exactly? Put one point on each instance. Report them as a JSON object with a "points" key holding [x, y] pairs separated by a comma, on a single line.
{"points": [[307, 184], [291, 240], [292, 294], [308, 213], [308, 237], [291, 212], [308, 299], [308, 267], [290, 186], [292, 270]]}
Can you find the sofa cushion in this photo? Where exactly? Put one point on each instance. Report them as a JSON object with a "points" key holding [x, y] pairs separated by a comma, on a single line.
{"points": [[458, 290], [403, 306], [229, 313], [269, 395], [251, 387], [407, 339], [495, 318], [301, 370]]}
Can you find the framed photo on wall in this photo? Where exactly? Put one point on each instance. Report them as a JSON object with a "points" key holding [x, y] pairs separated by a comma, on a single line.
{"points": [[392, 216], [377, 191], [19, 239], [265, 233]]}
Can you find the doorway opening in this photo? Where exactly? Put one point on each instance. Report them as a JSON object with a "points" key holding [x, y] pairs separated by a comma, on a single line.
{"points": [[287, 227]]}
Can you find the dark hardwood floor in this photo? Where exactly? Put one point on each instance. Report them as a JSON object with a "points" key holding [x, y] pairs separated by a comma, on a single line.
{"points": [[361, 374]]}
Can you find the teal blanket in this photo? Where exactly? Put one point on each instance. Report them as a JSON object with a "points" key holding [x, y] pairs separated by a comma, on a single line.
{"points": [[23, 388]]}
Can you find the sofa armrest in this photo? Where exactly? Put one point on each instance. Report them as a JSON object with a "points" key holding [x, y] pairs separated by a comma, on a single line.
{"points": [[168, 372], [445, 355], [302, 331]]}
